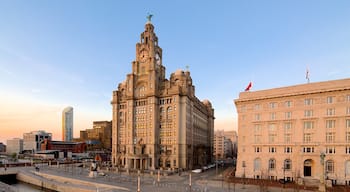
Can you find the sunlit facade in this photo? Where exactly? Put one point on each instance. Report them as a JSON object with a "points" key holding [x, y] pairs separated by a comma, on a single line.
{"points": [[159, 123], [290, 131], [67, 124]]}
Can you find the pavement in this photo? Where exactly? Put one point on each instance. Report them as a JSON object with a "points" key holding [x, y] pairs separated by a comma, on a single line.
{"points": [[116, 182]]}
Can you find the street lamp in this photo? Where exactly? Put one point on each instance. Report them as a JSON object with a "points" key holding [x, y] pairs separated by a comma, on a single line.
{"points": [[322, 186], [243, 165]]}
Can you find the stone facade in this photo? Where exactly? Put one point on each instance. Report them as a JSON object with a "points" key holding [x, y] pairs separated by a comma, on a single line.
{"points": [[99, 137], [159, 123], [300, 131]]}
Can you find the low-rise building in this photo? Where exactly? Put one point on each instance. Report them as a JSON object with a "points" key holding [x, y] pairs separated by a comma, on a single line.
{"points": [[14, 145]]}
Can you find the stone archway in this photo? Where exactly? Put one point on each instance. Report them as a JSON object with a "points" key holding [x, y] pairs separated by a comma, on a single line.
{"points": [[308, 167]]}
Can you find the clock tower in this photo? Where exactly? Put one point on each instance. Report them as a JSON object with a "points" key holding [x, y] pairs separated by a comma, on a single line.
{"points": [[147, 65], [156, 121]]}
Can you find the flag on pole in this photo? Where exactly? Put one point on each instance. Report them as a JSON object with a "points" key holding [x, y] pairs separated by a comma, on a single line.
{"points": [[249, 86], [308, 75]]}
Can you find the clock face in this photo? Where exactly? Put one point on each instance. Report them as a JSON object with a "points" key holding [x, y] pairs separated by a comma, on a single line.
{"points": [[157, 58], [143, 55]]}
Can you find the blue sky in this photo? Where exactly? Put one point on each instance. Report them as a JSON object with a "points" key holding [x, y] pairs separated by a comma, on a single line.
{"points": [[55, 54]]}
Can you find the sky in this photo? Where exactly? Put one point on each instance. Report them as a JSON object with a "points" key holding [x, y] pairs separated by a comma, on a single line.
{"points": [[55, 54]]}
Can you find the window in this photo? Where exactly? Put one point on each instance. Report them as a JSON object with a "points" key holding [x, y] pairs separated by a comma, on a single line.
{"points": [[272, 164], [272, 138], [308, 113], [347, 136], [330, 166], [287, 138], [257, 117], [308, 149], [347, 150], [348, 123], [287, 164], [257, 128], [308, 101], [347, 167], [288, 115], [243, 108], [258, 150], [330, 137], [288, 150], [257, 106], [329, 99], [272, 116], [307, 137], [348, 98], [272, 150], [330, 112], [330, 150], [257, 138], [330, 123], [272, 105], [308, 125], [348, 110], [288, 104], [257, 164], [272, 127], [287, 127]]}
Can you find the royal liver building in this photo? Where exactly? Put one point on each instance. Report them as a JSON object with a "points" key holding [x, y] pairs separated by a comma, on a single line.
{"points": [[159, 122]]}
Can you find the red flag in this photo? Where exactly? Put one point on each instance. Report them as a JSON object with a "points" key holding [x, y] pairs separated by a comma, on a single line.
{"points": [[249, 86]]}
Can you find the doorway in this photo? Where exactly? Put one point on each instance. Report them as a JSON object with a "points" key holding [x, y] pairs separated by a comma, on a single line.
{"points": [[308, 168]]}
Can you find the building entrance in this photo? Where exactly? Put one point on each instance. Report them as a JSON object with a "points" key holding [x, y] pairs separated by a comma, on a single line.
{"points": [[307, 168]]}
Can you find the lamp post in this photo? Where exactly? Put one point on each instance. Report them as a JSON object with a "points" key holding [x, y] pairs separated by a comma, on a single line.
{"points": [[243, 165], [190, 183], [322, 186]]}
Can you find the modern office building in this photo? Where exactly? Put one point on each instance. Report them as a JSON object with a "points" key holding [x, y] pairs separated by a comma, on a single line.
{"points": [[159, 123], [297, 132], [14, 145], [32, 141], [67, 124]]}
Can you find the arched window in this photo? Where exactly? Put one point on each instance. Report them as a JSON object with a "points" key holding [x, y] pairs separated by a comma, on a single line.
{"points": [[287, 164], [257, 164], [272, 164], [330, 166]]}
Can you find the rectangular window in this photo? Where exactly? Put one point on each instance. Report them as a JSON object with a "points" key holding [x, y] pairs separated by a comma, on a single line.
{"points": [[330, 123], [307, 137], [330, 112], [347, 135], [308, 101], [348, 98], [272, 150], [272, 116], [257, 117], [347, 150], [272, 138], [257, 106], [308, 125], [288, 104], [287, 138], [272, 127], [257, 128], [288, 115], [308, 113], [257, 138], [308, 149], [258, 150], [348, 123], [287, 127], [330, 136], [288, 150], [272, 105], [348, 110], [329, 99], [330, 150]]}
